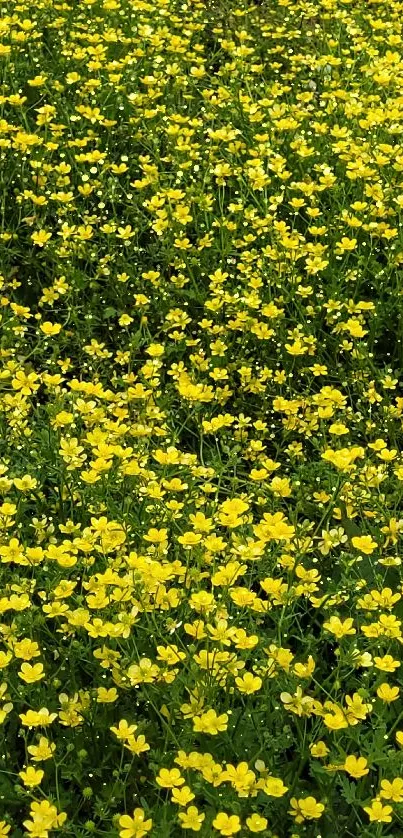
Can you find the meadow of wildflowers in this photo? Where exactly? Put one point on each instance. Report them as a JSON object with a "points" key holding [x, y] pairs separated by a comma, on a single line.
{"points": [[201, 418]]}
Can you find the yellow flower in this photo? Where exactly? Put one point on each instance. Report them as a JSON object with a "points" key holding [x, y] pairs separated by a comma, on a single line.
{"points": [[281, 487], [274, 787], [155, 350], [42, 751], [106, 696], [191, 819], [387, 663], [345, 244], [319, 749], [49, 329], [136, 826], [306, 808], [170, 778], [125, 320], [124, 730], [387, 693], [37, 81], [298, 703], [354, 328], [30, 673], [190, 539], [356, 709], [392, 790], [338, 429], [44, 817], [4, 711], [137, 744], [356, 766], [38, 718], [231, 512], [241, 777], [340, 628], [296, 348], [344, 458], [31, 776], [305, 670], [210, 722], [364, 543], [25, 483], [227, 824], [256, 823], [378, 813], [25, 383], [182, 796], [202, 601], [5, 658], [248, 683], [41, 237]]}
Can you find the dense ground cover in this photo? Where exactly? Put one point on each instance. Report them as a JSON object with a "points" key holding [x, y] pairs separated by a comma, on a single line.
{"points": [[201, 418]]}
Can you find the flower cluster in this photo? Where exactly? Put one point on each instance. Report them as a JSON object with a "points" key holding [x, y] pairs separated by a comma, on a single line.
{"points": [[201, 418]]}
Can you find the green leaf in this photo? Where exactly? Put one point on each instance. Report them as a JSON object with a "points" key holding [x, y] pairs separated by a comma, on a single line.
{"points": [[109, 312], [348, 790]]}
